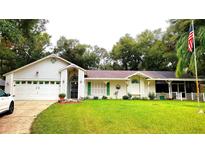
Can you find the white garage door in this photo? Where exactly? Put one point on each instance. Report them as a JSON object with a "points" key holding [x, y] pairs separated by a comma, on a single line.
{"points": [[36, 90]]}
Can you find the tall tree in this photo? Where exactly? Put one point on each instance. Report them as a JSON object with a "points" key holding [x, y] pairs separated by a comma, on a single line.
{"points": [[21, 42], [83, 55], [125, 53], [186, 59], [157, 55], [150, 50]]}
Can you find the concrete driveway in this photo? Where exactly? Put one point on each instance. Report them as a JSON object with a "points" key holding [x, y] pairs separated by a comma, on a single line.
{"points": [[24, 113]]}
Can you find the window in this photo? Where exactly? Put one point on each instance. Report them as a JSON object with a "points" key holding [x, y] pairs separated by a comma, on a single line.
{"points": [[29, 82], [2, 93], [46, 82], [35, 82], [100, 89], [40, 82], [23, 82], [52, 82], [17, 82], [135, 81], [57, 82]]}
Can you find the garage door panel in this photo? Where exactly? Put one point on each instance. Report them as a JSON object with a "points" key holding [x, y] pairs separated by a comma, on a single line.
{"points": [[25, 91], [48, 91], [36, 91]]}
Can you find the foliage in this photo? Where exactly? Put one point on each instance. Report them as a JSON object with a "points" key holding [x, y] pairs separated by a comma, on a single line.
{"points": [[22, 41], [149, 51], [129, 95], [62, 95], [104, 97], [144, 98], [151, 96], [125, 97], [121, 117], [135, 98], [82, 55], [95, 97], [186, 63], [86, 97]]}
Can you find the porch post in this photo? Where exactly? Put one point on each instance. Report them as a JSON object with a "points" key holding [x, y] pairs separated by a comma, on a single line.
{"points": [[185, 89], [170, 88], [192, 96], [81, 84], [148, 83], [64, 78]]}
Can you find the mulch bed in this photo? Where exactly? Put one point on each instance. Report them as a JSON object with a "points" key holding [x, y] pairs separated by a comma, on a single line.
{"points": [[69, 102]]}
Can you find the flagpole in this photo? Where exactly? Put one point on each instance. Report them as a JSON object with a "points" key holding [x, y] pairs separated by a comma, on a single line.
{"points": [[196, 72]]}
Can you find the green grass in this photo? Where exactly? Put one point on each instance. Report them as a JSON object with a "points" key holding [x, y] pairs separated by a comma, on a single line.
{"points": [[121, 116]]}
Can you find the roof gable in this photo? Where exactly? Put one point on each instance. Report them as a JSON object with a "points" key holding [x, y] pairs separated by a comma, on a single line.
{"points": [[35, 62]]}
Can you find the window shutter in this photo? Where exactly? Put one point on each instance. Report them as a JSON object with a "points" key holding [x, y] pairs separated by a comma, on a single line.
{"points": [[89, 88], [108, 88]]}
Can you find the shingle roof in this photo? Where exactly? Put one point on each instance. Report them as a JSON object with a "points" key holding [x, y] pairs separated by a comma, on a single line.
{"points": [[2, 82], [160, 74], [108, 73], [125, 74]]}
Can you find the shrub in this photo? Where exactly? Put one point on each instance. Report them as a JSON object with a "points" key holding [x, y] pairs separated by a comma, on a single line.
{"points": [[144, 98], [61, 95], [151, 96], [125, 97], [104, 97], [95, 97], [135, 98], [129, 95], [86, 97]]}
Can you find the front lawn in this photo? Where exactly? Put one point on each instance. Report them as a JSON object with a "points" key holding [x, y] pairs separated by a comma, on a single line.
{"points": [[121, 116]]}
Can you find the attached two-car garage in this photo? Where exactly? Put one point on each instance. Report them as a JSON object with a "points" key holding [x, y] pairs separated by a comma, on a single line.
{"points": [[36, 90]]}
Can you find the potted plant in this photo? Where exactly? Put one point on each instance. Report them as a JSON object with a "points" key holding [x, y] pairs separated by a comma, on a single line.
{"points": [[61, 97]]}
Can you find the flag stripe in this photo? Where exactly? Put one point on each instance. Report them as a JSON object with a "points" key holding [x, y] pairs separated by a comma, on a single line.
{"points": [[190, 39]]}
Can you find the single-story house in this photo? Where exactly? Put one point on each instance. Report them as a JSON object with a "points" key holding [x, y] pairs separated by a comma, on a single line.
{"points": [[2, 84], [44, 79]]}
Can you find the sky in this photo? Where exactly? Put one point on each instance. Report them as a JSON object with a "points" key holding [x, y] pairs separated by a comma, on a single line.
{"points": [[104, 33], [102, 23]]}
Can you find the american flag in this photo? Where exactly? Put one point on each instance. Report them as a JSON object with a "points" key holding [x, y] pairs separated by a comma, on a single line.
{"points": [[190, 39]]}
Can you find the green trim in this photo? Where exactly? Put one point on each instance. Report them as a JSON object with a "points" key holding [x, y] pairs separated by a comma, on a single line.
{"points": [[89, 88], [108, 88]]}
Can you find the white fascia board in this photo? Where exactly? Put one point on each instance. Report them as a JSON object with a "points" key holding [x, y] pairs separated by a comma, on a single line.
{"points": [[123, 79], [174, 79], [74, 66], [139, 73]]}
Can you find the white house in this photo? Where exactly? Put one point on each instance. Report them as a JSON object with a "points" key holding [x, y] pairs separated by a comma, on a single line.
{"points": [[44, 79]]}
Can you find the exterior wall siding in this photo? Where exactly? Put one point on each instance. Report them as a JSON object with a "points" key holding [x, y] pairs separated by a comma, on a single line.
{"points": [[46, 71], [121, 92], [81, 84], [138, 89]]}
